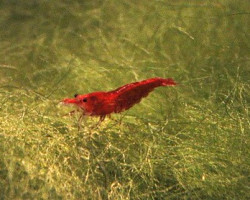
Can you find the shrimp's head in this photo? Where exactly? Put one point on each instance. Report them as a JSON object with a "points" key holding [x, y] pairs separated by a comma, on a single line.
{"points": [[86, 102]]}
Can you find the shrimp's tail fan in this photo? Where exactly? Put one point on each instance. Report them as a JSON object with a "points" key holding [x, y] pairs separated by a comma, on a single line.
{"points": [[168, 81]]}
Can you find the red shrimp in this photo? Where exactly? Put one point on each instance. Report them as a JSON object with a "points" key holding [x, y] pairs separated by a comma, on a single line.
{"points": [[104, 103]]}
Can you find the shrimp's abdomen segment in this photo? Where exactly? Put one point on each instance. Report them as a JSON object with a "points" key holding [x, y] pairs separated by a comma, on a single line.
{"points": [[132, 97], [131, 94]]}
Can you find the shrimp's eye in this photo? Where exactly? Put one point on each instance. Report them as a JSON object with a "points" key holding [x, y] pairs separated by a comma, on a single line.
{"points": [[75, 95], [84, 100]]}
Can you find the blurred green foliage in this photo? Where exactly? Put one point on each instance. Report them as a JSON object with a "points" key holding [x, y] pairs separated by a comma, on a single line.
{"points": [[187, 142]]}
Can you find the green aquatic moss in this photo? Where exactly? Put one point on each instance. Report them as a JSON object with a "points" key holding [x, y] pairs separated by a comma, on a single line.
{"points": [[185, 142]]}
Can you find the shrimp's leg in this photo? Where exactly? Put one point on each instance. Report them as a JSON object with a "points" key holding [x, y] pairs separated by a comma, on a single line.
{"points": [[72, 112], [80, 121], [102, 117]]}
